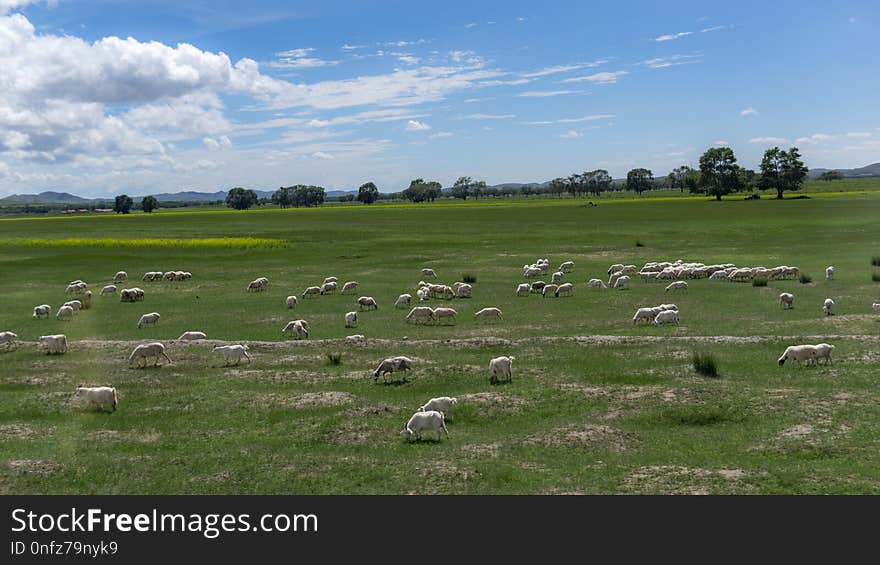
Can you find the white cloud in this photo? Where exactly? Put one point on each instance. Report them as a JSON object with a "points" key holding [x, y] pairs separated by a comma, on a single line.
{"points": [[408, 59], [488, 117], [714, 28], [347, 47], [299, 59], [222, 142], [7, 6], [602, 79], [592, 118], [440, 134], [721, 142], [858, 134], [814, 139], [672, 36], [768, 140], [565, 68], [511, 82], [322, 155], [520, 19], [415, 125], [405, 43], [672, 61], [470, 25], [748, 112], [384, 115], [570, 134], [545, 93]]}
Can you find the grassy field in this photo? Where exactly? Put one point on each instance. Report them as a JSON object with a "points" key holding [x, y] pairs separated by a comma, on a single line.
{"points": [[596, 405]]}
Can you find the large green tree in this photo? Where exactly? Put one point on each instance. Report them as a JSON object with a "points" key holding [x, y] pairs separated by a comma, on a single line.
{"points": [[123, 204], [149, 203], [782, 170], [368, 193], [598, 181], [241, 198], [719, 173], [466, 186], [640, 180], [678, 176]]}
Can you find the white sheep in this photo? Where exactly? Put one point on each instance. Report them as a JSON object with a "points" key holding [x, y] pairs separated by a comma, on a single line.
{"points": [[431, 421], [463, 290], [567, 266], [109, 289], [644, 314], [829, 273], [615, 267], [64, 313], [441, 404], [532, 272], [328, 288], [501, 367], [350, 287], [429, 274], [420, 315], [445, 314], [151, 319], [424, 294], [403, 301], [313, 291], [557, 277], [666, 317], [823, 351], [192, 336], [7, 339], [96, 398], [802, 354], [549, 289], [232, 354], [298, 328], [786, 299], [367, 302], [351, 320], [596, 283], [43, 310], [54, 344], [668, 307], [392, 365], [565, 288], [677, 285], [489, 314], [828, 307], [76, 305], [119, 277], [621, 282], [876, 306], [523, 289], [147, 350], [330, 279], [291, 301]]}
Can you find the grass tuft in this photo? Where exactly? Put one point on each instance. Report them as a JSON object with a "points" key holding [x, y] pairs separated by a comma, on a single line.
{"points": [[875, 261], [805, 278], [468, 278], [334, 359], [875, 277], [759, 282], [639, 243], [705, 364]]}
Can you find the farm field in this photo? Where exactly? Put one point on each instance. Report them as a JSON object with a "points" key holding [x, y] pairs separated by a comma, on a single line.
{"points": [[596, 404]]}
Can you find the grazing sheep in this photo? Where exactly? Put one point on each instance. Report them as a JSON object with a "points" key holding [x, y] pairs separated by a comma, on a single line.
{"points": [[538, 287], [666, 317], [557, 277], [441, 404], [96, 398], [823, 351], [565, 288], [403, 301], [615, 268], [549, 289], [445, 314], [76, 305], [620, 283], [488, 314], [430, 421], [828, 307], [424, 294], [646, 314], [523, 289], [151, 319], [420, 315], [354, 337], [328, 288], [7, 339], [313, 291], [786, 299], [351, 320], [76, 287], [668, 307], [532, 272], [876, 306], [677, 285], [298, 328], [391, 365], [463, 290], [367, 302], [802, 354], [596, 283], [829, 273], [87, 300], [291, 301], [501, 367], [232, 354], [147, 350], [350, 287], [257, 285], [54, 344], [131, 295], [120, 277], [330, 279], [43, 310], [718, 275], [567, 266], [192, 336], [64, 313], [429, 274]]}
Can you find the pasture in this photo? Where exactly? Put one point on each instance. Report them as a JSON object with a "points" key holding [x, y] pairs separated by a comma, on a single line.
{"points": [[596, 404]]}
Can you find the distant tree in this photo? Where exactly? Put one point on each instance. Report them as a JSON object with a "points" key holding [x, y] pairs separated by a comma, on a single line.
{"points": [[433, 190], [421, 191], [241, 198], [284, 196], [782, 170], [831, 176], [692, 181], [794, 172], [527, 190], [368, 193], [123, 204], [748, 179], [466, 186], [677, 177], [639, 180], [719, 173], [308, 195], [149, 203], [598, 181]]}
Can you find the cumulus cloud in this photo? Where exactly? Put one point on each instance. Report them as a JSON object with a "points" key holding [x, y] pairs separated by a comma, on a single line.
{"points": [[602, 79], [814, 139], [214, 143], [768, 140]]}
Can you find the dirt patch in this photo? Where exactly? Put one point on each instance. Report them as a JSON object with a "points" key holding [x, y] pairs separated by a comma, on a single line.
{"points": [[482, 450], [677, 479], [489, 404], [126, 436], [585, 436], [306, 400], [34, 466], [15, 431]]}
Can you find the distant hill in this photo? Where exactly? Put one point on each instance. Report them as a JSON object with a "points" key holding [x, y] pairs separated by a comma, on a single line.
{"points": [[867, 171], [48, 197]]}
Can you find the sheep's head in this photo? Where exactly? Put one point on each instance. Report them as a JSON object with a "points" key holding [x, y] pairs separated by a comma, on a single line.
{"points": [[407, 433], [783, 359]]}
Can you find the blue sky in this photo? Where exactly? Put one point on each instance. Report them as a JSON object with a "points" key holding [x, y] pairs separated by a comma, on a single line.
{"points": [[103, 97]]}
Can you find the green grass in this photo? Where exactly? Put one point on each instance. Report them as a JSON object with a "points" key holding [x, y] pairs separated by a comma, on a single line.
{"points": [[622, 413]]}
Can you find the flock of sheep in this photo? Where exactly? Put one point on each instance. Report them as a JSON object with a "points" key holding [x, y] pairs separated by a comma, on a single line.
{"points": [[433, 414]]}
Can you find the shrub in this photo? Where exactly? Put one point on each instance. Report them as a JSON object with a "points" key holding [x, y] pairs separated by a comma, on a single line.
{"points": [[805, 278], [639, 243], [705, 364], [334, 358], [759, 282], [468, 278], [875, 261], [875, 277]]}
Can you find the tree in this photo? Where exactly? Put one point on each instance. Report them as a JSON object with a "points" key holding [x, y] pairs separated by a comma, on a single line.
{"points": [[284, 196], [421, 191], [123, 204], [308, 195], [692, 181], [829, 176], [677, 177], [465, 186], [640, 180], [747, 179], [598, 181], [782, 170], [368, 193], [719, 173], [149, 203], [794, 172], [241, 198]]}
